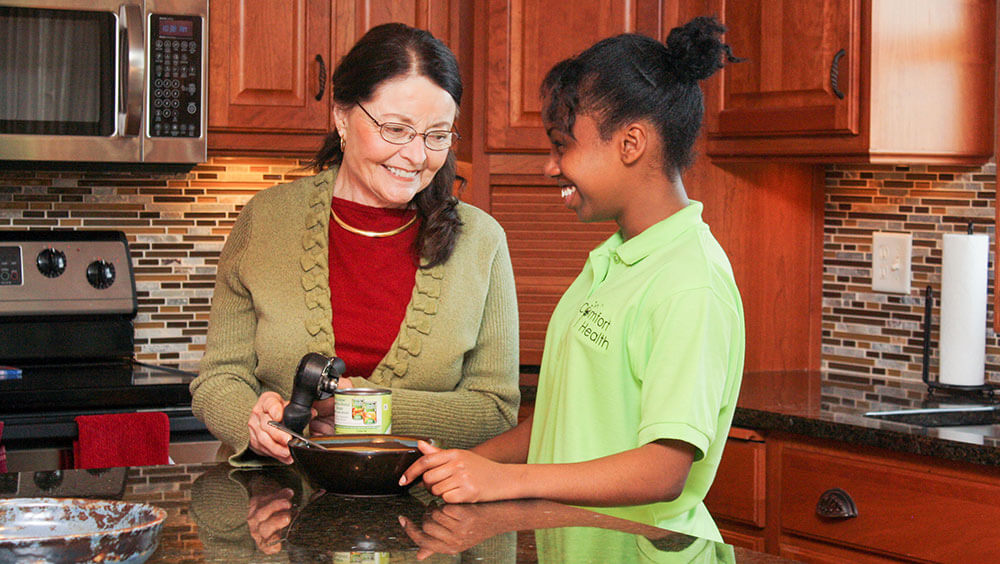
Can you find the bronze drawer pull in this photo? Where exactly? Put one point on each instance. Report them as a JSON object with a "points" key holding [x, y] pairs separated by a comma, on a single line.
{"points": [[835, 503]]}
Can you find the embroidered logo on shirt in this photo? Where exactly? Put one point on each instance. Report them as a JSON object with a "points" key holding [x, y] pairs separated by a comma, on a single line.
{"points": [[594, 325]]}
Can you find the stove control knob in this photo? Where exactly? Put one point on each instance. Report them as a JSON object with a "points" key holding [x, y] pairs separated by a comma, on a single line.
{"points": [[51, 262], [101, 274]]}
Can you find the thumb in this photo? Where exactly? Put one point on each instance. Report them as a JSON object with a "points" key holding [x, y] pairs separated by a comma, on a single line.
{"points": [[427, 448]]}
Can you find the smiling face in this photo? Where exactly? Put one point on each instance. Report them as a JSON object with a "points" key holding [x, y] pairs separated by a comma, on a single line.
{"points": [[377, 173], [588, 170]]}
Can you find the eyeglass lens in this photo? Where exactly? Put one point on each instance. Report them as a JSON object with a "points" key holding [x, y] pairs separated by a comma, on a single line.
{"points": [[401, 134]]}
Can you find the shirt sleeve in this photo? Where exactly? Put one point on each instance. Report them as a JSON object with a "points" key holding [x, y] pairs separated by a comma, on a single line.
{"points": [[225, 391], [687, 338]]}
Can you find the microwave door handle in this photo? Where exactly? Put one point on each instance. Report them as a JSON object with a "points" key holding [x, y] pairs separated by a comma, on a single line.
{"points": [[132, 68]]}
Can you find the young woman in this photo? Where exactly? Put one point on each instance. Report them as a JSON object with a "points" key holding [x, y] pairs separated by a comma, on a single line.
{"points": [[644, 352], [372, 259]]}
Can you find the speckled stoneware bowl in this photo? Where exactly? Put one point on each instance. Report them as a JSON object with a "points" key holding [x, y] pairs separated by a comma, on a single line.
{"points": [[357, 465], [42, 529]]}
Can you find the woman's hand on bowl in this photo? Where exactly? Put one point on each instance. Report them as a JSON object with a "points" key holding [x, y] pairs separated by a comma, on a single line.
{"points": [[265, 440]]}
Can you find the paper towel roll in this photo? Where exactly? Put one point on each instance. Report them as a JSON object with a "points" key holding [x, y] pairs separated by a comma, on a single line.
{"points": [[963, 309]]}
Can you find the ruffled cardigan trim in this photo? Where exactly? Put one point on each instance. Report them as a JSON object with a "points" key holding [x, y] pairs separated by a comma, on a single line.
{"points": [[316, 283]]}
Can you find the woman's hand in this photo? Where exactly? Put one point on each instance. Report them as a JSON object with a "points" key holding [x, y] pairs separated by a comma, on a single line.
{"points": [[268, 516], [265, 439], [459, 476]]}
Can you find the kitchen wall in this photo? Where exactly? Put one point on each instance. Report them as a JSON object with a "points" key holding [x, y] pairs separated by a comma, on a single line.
{"points": [[177, 223], [872, 342]]}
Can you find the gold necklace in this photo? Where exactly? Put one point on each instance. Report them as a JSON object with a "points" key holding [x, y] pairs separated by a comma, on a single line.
{"points": [[364, 233]]}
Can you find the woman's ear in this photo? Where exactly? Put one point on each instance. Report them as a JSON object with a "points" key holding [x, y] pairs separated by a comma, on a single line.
{"points": [[634, 142], [340, 118]]}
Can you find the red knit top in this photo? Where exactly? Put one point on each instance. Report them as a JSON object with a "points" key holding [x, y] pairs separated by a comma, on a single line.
{"points": [[371, 280]]}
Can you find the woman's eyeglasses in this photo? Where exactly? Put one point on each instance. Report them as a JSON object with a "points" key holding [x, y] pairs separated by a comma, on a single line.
{"points": [[401, 134]]}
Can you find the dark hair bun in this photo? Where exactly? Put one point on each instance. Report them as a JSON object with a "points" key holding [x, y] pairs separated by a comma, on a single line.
{"points": [[695, 50]]}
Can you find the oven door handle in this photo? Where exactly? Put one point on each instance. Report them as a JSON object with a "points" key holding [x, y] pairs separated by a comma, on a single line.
{"points": [[132, 69]]}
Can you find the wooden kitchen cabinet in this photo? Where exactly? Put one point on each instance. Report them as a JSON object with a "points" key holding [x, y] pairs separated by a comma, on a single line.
{"points": [[768, 216], [905, 508], [270, 65], [909, 508], [737, 497], [522, 48], [266, 61], [887, 81]]}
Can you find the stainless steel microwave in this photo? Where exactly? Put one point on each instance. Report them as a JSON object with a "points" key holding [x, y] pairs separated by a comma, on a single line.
{"points": [[103, 80]]}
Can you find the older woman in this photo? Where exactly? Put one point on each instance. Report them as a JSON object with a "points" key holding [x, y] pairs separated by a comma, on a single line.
{"points": [[372, 259]]}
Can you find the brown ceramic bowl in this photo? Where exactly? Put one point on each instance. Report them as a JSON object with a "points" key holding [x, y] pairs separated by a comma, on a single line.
{"points": [[357, 465]]}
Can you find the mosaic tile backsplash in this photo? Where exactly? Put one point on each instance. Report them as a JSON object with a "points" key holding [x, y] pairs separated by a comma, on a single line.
{"points": [[872, 342], [176, 224]]}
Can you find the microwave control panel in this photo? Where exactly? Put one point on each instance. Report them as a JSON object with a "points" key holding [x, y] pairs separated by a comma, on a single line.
{"points": [[175, 78]]}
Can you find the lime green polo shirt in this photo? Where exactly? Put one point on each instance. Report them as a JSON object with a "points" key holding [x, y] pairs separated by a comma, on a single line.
{"points": [[593, 544], [646, 344]]}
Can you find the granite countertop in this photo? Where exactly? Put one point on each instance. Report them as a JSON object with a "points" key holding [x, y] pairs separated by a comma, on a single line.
{"points": [[219, 514], [805, 404]]}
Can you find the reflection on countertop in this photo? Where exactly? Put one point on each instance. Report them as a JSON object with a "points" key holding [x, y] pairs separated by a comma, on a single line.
{"points": [[801, 402], [220, 514]]}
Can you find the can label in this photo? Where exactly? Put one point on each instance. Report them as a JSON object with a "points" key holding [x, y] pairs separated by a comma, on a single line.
{"points": [[363, 411], [361, 558]]}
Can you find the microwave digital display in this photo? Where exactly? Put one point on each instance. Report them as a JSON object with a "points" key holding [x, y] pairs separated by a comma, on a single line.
{"points": [[176, 28]]}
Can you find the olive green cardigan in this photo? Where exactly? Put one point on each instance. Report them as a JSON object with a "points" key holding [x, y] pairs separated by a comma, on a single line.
{"points": [[453, 368]]}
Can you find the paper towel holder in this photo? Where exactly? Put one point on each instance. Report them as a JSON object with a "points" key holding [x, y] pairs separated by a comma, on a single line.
{"points": [[986, 388]]}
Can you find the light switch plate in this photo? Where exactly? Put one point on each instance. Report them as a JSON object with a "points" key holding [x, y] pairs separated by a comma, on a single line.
{"points": [[891, 254]]}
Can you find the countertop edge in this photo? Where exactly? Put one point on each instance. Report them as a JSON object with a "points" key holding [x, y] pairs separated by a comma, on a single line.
{"points": [[899, 441]]}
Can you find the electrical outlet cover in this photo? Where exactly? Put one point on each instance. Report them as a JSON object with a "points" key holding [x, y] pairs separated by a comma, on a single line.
{"points": [[891, 257]]}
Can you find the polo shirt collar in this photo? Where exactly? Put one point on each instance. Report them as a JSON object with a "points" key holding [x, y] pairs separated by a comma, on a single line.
{"points": [[657, 235]]}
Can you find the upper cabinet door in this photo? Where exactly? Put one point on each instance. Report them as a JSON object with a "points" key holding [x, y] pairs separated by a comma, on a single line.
{"points": [[865, 81], [522, 48], [801, 69], [354, 17], [268, 59]]}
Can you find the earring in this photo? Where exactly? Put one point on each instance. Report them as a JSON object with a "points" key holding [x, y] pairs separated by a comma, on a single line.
{"points": [[342, 143]]}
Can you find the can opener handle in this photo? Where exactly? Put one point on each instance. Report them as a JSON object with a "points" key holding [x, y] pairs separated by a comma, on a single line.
{"points": [[315, 379]]}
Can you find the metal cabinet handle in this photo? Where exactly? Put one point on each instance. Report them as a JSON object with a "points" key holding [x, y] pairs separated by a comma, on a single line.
{"points": [[322, 77], [835, 503], [835, 74]]}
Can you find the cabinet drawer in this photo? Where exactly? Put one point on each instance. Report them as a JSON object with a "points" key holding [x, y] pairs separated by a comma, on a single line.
{"points": [[739, 488], [902, 509]]}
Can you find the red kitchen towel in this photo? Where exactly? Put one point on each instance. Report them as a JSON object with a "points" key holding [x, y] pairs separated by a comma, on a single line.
{"points": [[122, 439]]}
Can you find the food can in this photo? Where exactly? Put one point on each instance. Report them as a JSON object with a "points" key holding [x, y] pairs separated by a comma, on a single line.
{"points": [[363, 411], [362, 558]]}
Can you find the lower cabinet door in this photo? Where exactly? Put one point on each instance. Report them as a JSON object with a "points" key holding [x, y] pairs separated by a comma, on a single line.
{"points": [[744, 537], [802, 550], [904, 509]]}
